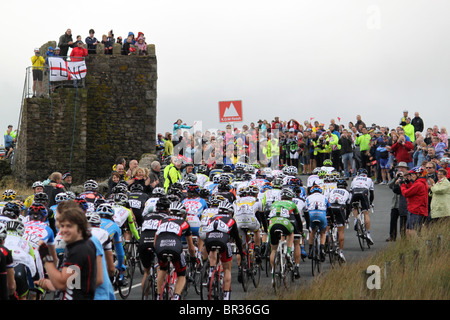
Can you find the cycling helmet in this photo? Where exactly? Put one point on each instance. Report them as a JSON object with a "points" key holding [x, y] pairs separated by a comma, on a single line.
{"points": [[193, 188], [341, 183], [37, 184], [215, 200], [227, 168], [3, 232], [246, 177], [11, 210], [136, 187], [121, 199], [417, 170], [322, 174], [294, 181], [191, 178], [71, 195], [173, 198], [119, 188], [253, 190], [82, 203], [362, 172], [177, 208], [292, 171], [224, 179], [94, 218], [40, 197], [163, 204], [90, 185], [15, 226], [9, 195], [316, 170], [158, 192], [204, 193], [287, 193], [277, 182], [98, 202], [216, 178], [260, 173], [249, 169], [315, 189], [62, 196], [225, 207], [202, 169], [327, 163], [240, 166], [37, 212], [105, 209], [267, 171], [242, 192]]}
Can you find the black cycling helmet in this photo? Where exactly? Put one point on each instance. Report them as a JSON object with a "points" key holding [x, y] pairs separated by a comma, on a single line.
{"points": [[11, 210], [341, 183], [136, 187], [163, 204]]}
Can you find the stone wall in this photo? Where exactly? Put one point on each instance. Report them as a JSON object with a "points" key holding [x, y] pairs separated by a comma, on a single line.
{"points": [[85, 129]]}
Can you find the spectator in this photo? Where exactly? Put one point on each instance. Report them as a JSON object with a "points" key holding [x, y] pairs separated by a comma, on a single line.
{"points": [[67, 181], [444, 163], [108, 44], [409, 129], [111, 37], [172, 172], [140, 176], [415, 190], [346, 143], [9, 141], [80, 252], [79, 52], [66, 42], [132, 37], [363, 141], [439, 146], [417, 122], [154, 175], [113, 181], [160, 144], [37, 62], [141, 44], [91, 42], [168, 145], [119, 40], [402, 150], [180, 125], [444, 137], [127, 47], [403, 119], [440, 203], [359, 123], [399, 204], [131, 166], [53, 186], [50, 53]]}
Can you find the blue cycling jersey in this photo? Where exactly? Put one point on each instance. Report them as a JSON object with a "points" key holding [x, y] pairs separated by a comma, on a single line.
{"points": [[116, 236]]}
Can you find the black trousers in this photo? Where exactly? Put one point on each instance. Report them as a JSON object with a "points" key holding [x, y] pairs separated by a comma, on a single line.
{"points": [[395, 215]]}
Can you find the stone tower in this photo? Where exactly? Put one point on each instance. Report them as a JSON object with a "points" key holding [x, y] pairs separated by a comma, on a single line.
{"points": [[85, 129]]}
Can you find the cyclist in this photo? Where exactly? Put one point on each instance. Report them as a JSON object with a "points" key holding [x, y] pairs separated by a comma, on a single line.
{"points": [[225, 189], [106, 213], [105, 290], [248, 213], [339, 199], [38, 186], [90, 193], [220, 231], [314, 179], [8, 196], [149, 226], [317, 205], [24, 258], [11, 211], [42, 198], [36, 230], [362, 190], [150, 204], [202, 175], [7, 281], [168, 241], [122, 213], [62, 196], [136, 200], [284, 215]]}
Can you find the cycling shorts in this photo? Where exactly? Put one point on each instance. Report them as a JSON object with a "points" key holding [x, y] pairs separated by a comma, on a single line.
{"points": [[338, 214], [361, 195], [282, 224], [21, 275], [222, 240], [318, 218], [146, 248], [168, 244]]}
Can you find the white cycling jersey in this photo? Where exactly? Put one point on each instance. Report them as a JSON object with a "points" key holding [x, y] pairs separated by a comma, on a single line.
{"points": [[314, 179], [150, 206], [103, 236], [120, 214], [339, 196], [362, 182], [22, 252]]}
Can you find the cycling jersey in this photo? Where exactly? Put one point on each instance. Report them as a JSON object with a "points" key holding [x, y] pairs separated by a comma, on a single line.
{"points": [[90, 197], [150, 206], [202, 179], [194, 209], [314, 179], [105, 291], [280, 216], [148, 232], [22, 252], [115, 234], [122, 214], [317, 205], [245, 210], [207, 214], [6, 262], [137, 201], [36, 231], [270, 196]]}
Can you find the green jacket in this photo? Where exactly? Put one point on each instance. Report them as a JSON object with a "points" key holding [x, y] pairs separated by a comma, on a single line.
{"points": [[363, 142], [171, 175], [440, 202], [409, 131]]}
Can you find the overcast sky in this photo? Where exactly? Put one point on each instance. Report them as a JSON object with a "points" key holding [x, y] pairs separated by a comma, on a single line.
{"points": [[292, 59]]}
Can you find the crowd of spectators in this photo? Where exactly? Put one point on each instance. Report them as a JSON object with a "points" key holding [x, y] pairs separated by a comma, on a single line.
{"points": [[129, 45]]}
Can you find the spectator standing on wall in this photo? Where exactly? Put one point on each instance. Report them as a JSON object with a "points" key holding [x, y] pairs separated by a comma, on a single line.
{"points": [[37, 62], [66, 42], [108, 44], [91, 42], [417, 122], [78, 53], [9, 141]]}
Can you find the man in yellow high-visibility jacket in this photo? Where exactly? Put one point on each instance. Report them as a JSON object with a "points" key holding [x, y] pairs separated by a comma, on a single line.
{"points": [[172, 173], [273, 151], [37, 62]]}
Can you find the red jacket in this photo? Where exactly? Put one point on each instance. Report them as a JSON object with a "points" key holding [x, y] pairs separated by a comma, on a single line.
{"points": [[78, 52], [402, 151], [416, 194]]}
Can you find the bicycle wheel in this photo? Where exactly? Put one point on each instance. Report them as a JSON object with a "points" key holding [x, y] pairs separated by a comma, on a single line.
{"points": [[267, 255], [360, 234], [330, 249], [204, 273], [197, 278], [149, 289], [128, 274], [245, 272], [256, 274], [277, 273], [316, 254], [215, 287]]}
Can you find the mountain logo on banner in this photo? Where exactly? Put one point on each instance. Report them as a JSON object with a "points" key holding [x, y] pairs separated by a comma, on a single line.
{"points": [[230, 111]]}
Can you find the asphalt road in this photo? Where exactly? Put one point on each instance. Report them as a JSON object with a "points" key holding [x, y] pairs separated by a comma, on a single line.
{"points": [[379, 232]]}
